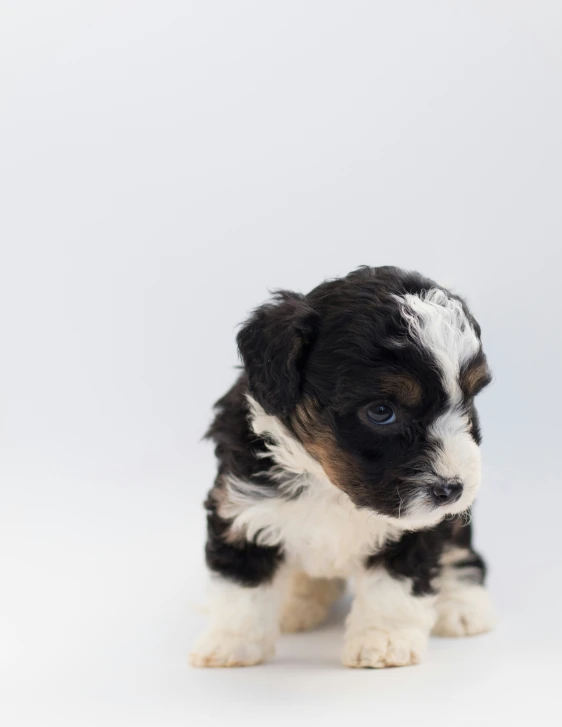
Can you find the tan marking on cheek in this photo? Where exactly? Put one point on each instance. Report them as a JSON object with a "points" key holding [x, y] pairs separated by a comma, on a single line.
{"points": [[404, 387], [319, 441]]}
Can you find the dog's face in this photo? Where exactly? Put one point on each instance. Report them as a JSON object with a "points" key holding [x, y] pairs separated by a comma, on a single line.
{"points": [[376, 375]]}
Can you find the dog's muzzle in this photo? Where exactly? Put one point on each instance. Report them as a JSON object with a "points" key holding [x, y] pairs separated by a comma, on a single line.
{"points": [[445, 492]]}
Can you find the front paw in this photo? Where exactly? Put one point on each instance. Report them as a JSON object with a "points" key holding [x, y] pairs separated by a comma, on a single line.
{"points": [[464, 612], [378, 648], [223, 649]]}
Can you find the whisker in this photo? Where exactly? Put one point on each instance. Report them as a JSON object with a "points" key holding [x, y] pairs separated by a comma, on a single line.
{"points": [[400, 501]]}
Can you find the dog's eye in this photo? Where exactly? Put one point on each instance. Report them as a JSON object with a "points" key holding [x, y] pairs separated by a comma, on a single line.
{"points": [[381, 414]]}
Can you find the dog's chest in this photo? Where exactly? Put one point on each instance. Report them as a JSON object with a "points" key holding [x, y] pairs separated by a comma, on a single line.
{"points": [[321, 532]]}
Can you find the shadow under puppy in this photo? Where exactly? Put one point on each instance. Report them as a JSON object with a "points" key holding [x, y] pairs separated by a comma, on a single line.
{"points": [[348, 447]]}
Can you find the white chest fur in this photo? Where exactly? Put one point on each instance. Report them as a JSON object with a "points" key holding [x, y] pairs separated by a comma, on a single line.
{"points": [[317, 525], [321, 531]]}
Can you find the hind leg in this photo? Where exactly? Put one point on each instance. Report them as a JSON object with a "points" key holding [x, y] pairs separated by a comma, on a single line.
{"points": [[308, 601], [464, 606]]}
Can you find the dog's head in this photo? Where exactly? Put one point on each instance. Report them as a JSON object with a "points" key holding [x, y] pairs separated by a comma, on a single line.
{"points": [[376, 375]]}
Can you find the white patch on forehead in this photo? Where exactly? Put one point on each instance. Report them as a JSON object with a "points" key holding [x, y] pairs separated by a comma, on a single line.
{"points": [[439, 324]]}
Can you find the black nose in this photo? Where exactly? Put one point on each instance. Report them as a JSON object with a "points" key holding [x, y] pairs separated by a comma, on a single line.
{"points": [[446, 491]]}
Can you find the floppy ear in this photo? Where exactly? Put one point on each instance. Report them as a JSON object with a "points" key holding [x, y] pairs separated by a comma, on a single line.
{"points": [[273, 343]]}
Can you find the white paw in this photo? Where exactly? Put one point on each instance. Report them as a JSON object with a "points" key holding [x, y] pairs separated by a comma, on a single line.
{"points": [[464, 612], [221, 648], [377, 648]]}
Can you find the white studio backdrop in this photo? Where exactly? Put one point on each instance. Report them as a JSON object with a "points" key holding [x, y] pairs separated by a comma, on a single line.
{"points": [[162, 166]]}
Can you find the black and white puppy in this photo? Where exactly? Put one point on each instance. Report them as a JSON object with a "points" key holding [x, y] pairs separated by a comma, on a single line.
{"points": [[349, 448]]}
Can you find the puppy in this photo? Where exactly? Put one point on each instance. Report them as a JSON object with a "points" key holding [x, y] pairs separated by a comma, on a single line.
{"points": [[349, 447]]}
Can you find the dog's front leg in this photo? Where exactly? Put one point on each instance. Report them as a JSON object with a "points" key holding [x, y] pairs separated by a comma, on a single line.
{"points": [[243, 623], [388, 625]]}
